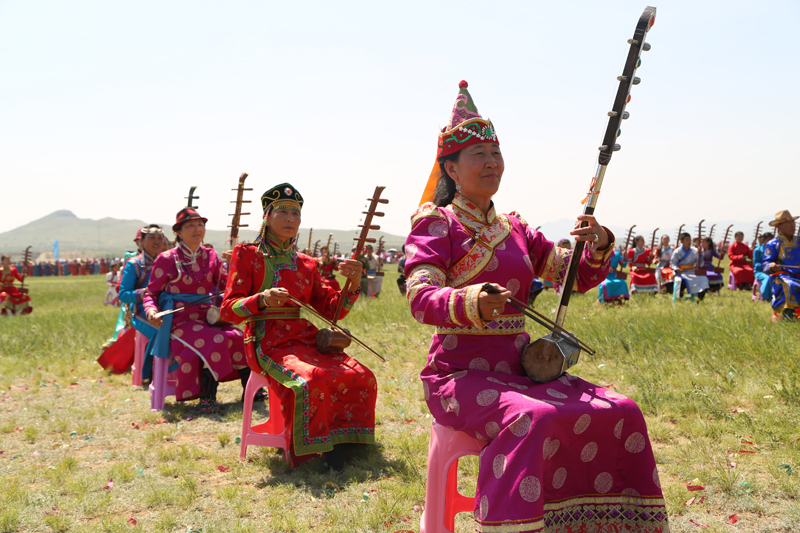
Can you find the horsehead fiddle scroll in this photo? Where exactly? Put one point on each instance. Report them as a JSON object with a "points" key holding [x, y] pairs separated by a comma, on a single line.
{"points": [[213, 313], [237, 213], [550, 356], [678, 236], [653, 244], [755, 234], [335, 338], [719, 269], [192, 197], [26, 258], [619, 273]]}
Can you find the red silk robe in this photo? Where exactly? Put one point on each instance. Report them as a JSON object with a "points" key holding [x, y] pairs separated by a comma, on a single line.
{"points": [[742, 271], [326, 399]]}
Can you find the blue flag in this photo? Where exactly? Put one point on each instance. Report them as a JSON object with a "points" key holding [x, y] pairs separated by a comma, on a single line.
{"points": [[55, 249]]}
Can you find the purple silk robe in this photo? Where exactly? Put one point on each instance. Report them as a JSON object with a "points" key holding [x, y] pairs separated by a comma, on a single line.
{"points": [[194, 343], [564, 456]]}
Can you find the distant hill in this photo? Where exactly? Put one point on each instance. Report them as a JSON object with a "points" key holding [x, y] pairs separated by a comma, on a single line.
{"points": [[110, 237]]}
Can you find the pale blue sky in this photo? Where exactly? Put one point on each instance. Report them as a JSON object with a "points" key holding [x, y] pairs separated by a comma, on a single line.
{"points": [[116, 108]]}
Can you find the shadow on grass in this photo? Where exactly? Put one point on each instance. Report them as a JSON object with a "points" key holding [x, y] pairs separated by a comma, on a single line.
{"points": [[315, 478]]}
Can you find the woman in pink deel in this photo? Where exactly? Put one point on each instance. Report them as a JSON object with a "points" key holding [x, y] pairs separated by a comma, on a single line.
{"points": [[202, 355], [564, 456]]}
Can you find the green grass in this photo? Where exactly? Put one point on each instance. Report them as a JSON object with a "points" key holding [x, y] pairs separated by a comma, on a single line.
{"points": [[707, 377]]}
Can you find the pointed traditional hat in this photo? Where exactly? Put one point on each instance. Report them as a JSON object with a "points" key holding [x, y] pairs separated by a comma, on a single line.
{"points": [[466, 127]]}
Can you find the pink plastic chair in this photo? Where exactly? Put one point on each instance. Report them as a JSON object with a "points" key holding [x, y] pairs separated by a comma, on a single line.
{"points": [[138, 359], [273, 433], [731, 281], [442, 499], [757, 292], [160, 385]]}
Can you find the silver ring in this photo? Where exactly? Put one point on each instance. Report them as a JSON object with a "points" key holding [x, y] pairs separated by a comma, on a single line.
{"points": [[596, 238], [495, 313]]}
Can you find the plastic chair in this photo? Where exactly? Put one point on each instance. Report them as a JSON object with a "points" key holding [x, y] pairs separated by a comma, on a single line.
{"points": [[138, 359], [757, 292], [160, 386], [731, 281], [442, 499], [273, 433]]}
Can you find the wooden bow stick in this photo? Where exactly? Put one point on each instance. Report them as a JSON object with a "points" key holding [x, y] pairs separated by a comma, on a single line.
{"points": [[337, 328]]}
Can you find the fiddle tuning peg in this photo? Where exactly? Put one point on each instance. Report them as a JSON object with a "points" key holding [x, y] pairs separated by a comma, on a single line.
{"points": [[646, 47], [622, 78], [617, 148], [625, 115], [636, 81], [633, 41]]}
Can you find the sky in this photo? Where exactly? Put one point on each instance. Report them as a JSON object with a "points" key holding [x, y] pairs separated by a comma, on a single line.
{"points": [[114, 109]]}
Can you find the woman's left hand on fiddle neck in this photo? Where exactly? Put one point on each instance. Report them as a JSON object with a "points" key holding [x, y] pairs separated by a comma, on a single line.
{"points": [[591, 232], [351, 269]]}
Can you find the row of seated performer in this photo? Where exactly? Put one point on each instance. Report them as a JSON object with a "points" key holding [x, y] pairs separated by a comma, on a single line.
{"points": [[328, 399], [654, 270], [567, 453]]}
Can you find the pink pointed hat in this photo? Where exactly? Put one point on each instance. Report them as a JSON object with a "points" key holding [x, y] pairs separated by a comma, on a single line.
{"points": [[466, 127]]}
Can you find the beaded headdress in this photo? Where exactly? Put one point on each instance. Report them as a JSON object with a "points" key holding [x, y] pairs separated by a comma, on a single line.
{"points": [[466, 127], [283, 195]]}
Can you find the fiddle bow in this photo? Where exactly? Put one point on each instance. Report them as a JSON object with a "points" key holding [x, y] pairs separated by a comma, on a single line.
{"points": [[336, 338], [547, 358]]}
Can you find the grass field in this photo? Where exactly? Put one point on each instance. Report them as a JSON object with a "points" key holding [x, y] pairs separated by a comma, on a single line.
{"points": [[718, 384]]}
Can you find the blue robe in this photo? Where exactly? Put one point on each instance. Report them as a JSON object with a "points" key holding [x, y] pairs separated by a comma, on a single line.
{"points": [[612, 288], [786, 283], [762, 277], [135, 277]]}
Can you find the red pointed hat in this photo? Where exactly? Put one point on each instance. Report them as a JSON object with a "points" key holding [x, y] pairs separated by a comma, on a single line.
{"points": [[186, 214], [466, 127]]}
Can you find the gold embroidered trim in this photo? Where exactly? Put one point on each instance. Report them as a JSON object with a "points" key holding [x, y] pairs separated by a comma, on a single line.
{"points": [[435, 277], [471, 305], [451, 307], [426, 210], [503, 325], [478, 258]]}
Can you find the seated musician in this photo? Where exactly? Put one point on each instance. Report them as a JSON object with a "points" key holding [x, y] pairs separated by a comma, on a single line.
{"points": [[664, 273], [715, 281], [327, 265], [185, 276], [741, 262], [13, 301], [684, 263], [782, 262], [643, 278], [327, 400], [764, 285], [136, 276], [612, 289], [566, 455]]}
